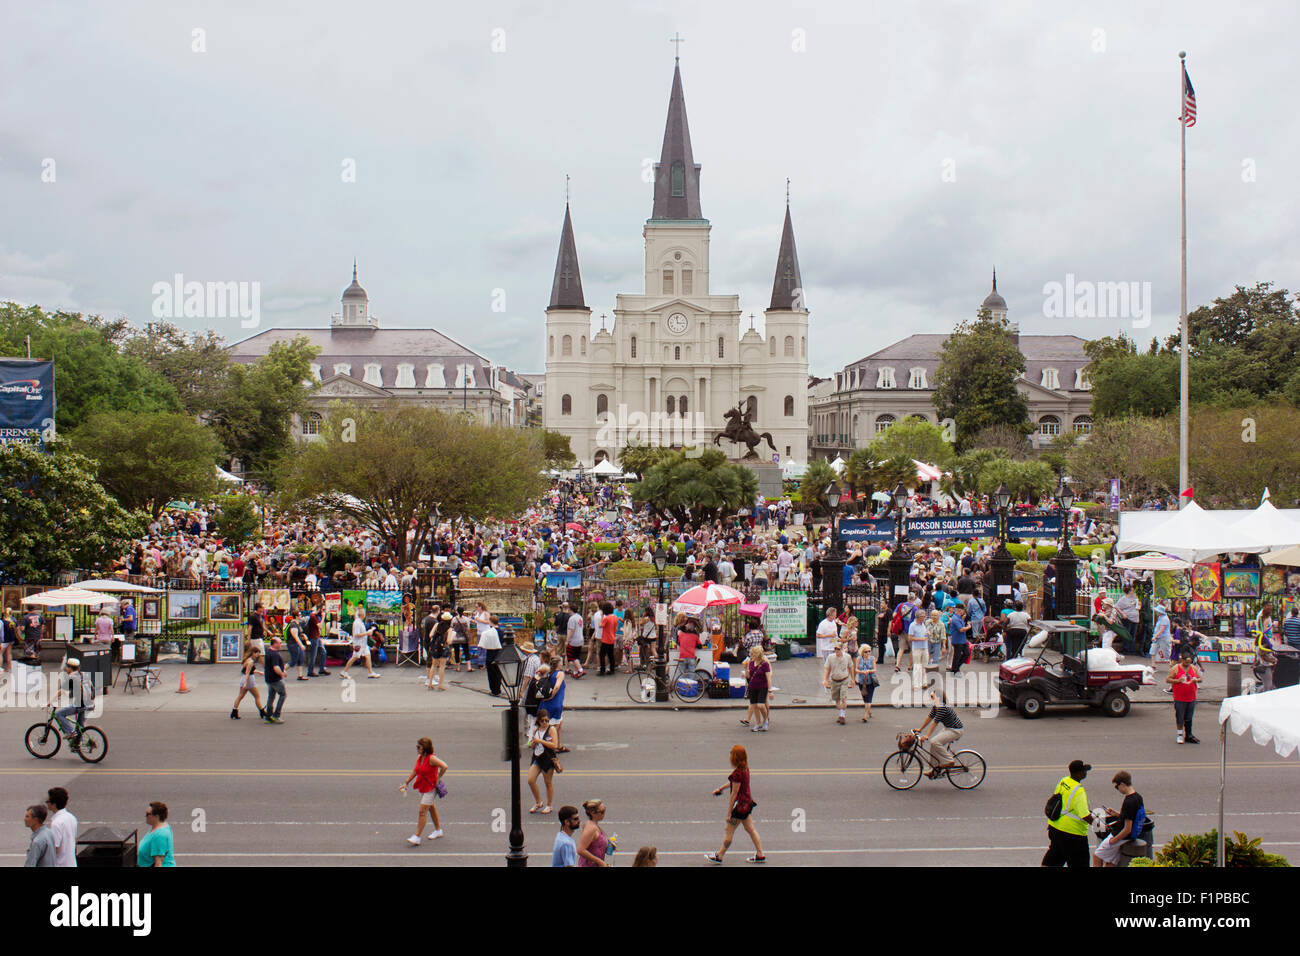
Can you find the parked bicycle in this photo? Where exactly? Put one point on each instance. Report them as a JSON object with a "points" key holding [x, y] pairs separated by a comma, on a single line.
{"points": [[644, 686], [87, 742], [904, 768]]}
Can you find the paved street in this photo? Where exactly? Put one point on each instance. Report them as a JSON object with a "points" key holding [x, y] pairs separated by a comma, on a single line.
{"points": [[326, 783]]}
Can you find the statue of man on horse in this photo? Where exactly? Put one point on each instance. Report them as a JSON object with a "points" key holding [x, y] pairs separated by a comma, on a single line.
{"points": [[739, 430]]}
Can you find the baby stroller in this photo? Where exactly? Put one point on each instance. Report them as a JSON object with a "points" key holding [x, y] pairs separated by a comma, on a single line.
{"points": [[989, 644]]}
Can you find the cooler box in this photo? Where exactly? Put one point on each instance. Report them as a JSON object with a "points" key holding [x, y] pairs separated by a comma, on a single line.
{"points": [[782, 650], [722, 670], [688, 686], [719, 690], [738, 688]]}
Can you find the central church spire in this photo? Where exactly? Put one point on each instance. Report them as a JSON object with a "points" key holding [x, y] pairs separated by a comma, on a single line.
{"points": [[677, 176]]}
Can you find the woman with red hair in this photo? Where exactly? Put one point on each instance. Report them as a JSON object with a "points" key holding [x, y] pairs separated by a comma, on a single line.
{"points": [[739, 808]]}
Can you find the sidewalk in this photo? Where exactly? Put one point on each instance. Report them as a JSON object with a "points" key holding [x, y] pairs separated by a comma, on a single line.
{"points": [[796, 683]]}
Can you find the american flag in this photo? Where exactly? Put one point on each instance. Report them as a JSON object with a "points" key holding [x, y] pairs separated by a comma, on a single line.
{"points": [[1189, 100]]}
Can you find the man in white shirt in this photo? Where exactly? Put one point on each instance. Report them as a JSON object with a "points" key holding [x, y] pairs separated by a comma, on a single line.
{"points": [[490, 640], [573, 641], [596, 617], [828, 632], [726, 571], [63, 827], [918, 645]]}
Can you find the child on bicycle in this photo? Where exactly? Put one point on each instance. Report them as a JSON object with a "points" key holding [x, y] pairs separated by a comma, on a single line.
{"points": [[81, 691]]}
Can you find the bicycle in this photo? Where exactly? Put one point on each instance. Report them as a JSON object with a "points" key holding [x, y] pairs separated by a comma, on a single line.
{"points": [[904, 768], [44, 740], [645, 685]]}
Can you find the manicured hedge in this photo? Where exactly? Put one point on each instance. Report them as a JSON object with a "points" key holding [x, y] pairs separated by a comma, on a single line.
{"points": [[631, 570]]}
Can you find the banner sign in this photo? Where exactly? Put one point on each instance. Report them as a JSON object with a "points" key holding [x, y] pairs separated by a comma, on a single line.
{"points": [[26, 401], [1114, 494], [564, 579], [1034, 526], [951, 526], [866, 529], [787, 614]]}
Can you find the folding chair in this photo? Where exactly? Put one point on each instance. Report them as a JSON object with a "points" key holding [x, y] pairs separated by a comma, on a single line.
{"points": [[408, 648]]}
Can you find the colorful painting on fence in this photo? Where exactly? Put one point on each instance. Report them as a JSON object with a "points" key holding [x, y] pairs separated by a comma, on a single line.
{"points": [[184, 605], [1273, 581], [1170, 585], [383, 602], [274, 599], [1205, 582], [224, 606], [1241, 583]]}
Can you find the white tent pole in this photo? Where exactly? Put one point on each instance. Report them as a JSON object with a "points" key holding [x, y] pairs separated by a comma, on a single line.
{"points": [[1223, 774]]}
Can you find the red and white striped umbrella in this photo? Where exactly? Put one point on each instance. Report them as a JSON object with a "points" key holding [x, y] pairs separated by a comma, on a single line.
{"points": [[705, 595]]}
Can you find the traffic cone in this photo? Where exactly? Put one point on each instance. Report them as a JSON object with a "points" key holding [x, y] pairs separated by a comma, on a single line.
{"points": [[182, 689]]}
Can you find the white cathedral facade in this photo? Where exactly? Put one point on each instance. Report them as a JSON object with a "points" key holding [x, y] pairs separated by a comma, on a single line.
{"points": [[675, 360]]}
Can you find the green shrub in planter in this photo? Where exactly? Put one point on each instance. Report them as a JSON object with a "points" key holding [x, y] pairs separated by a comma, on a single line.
{"points": [[630, 570], [604, 547]]}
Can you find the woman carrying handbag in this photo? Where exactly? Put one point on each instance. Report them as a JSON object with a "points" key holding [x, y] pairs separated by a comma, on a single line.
{"points": [[428, 783]]}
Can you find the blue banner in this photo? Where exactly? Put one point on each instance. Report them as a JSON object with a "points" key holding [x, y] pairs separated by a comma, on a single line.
{"points": [[26, 401], [866, 529], [1034, 526], [950, 526]]}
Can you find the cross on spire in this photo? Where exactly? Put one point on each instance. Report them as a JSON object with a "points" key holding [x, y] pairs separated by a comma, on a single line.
{"points": [[787, 191], [677, 41], [566, 189]]}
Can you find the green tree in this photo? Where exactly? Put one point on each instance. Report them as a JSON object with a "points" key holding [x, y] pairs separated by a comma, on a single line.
{"points": [[860, 476], [1026, 480], [1235, 453], [90, 373], [403, 462], [1141, 452], [914, 438], [196, 364], [693, 488], [1056, 454], [253, 418], [975, 384], [1235, 320], [1010, 440], [54, 515], [812, 487], [237, 521], [556, 451], [1126, 385], [145, 459], [638, 459]]}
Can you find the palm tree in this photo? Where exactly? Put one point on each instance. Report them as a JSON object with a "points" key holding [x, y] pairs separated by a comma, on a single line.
{"points": [[860, 474], [812, 489]]}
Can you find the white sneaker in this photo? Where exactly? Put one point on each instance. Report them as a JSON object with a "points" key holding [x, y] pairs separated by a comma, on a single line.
{"points": [[1180, 738], [373, 676], [413, 840], [435, 834]]}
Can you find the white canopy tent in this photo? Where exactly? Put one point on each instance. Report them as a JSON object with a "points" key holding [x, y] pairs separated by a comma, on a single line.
{"points": [[1154, 561], [1192, 534], [790, 469], [606, 469], [1277, 528], [1273, 717], [1287, 556], [838, 465], [61, 597], [223, 475], [113, 585]]}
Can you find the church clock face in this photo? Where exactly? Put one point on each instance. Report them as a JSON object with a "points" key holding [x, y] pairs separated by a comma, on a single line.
{"points": [[677, 323]]}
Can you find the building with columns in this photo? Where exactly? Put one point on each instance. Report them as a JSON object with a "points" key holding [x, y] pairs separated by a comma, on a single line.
{"points": [[357, 361], [897, 382], [675, 359]]}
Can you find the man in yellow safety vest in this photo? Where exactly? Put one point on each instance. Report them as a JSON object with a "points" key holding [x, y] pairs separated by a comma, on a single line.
{"points": [[1067, 835]]}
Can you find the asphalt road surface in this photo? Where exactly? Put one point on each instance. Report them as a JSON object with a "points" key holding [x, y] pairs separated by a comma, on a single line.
{"points": [[321, 789]]}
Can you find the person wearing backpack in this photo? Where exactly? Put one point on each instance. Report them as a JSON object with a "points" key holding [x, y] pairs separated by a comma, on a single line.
{"points": [[1068, 816]]}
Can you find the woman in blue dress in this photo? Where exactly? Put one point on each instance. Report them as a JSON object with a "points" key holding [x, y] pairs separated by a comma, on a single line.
{"points": [[550, 695]]}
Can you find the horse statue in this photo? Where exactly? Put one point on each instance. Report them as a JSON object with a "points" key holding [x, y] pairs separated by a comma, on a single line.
{"points": [[739, 430]]}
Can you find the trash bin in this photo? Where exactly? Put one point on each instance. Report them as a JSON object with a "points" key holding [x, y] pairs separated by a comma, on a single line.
{"points": [[96, 662], [1287, 671], [103, 847], [1073, 643]]}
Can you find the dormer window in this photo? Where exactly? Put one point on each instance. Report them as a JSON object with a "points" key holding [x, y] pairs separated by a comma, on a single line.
{"points": [[373, 375], [1081, 381], [885, 378], [1050, 379], [315, 372], [916, 378], [342, 368], [405, 376]]}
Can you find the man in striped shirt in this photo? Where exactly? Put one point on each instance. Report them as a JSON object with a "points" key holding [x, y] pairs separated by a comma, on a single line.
{"points": [[941, 713], [1291, 628]]}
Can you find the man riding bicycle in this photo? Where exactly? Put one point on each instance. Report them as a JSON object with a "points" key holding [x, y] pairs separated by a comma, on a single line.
{"points": [[940, 713], [81, 691]]}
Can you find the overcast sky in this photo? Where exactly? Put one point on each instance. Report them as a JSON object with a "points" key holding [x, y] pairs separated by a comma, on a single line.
{"points": [[925, 143]]}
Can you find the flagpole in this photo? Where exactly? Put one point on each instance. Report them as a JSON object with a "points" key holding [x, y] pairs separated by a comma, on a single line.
{"points": [[1184, 481]]}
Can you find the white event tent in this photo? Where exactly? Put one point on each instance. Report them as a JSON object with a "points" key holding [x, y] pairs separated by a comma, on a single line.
{"points": [[1272, 717], [1193, 534]]}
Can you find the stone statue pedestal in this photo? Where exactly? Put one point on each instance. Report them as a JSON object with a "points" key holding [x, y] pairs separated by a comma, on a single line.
{"points": [[769, 477]]}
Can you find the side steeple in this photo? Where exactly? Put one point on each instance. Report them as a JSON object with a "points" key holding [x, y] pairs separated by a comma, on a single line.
{"points": [[787, 287], [677, 176], [566, 288]]}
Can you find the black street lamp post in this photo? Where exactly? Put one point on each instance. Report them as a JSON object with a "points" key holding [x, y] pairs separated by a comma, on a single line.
{"points": [[899, 563], [1065, 562], [661, 665], [509, 664], [833, 563], [1002, 561]]}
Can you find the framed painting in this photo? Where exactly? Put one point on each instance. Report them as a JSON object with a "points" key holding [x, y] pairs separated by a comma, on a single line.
{"points": [[151, 609], [1240, 583], [224, 606], [12, 599], [230, 646], [184, 605], [201, 650]]}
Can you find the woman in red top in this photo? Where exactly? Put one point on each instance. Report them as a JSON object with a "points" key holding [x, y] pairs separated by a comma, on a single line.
{"points": [[428, 769], [1185, 676], [739, 808], [608, 636]]}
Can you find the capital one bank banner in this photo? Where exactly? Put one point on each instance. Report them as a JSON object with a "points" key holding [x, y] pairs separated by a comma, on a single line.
{"points": [[26, 401]]}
